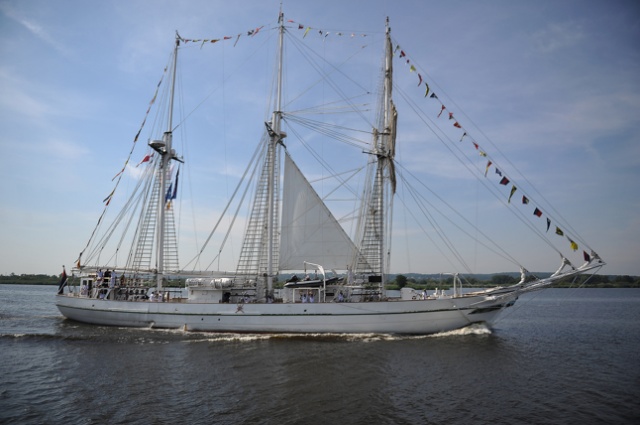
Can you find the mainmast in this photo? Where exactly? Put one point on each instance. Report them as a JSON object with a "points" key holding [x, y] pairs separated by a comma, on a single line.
{"points": [[275, 137]]}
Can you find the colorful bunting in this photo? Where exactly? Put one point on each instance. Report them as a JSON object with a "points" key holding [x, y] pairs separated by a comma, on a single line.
{"points": [[504, 180], [574, 246], [108, 198], [487, 169]]}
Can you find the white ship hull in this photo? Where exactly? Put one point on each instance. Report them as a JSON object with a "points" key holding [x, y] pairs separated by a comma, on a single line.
{"points": [[401, 317]]}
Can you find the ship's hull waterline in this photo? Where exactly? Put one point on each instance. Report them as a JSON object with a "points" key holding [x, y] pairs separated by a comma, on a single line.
{"points": [[398, 317]]}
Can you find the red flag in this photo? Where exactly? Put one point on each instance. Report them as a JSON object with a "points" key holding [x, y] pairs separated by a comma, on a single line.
{"points": [[441, 110], [537, 213], [147, 158], [455, 124], [504, 181]]}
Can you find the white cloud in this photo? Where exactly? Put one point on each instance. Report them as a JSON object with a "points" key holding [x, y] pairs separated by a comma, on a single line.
{"points": [[558, 36], [35, 29]]}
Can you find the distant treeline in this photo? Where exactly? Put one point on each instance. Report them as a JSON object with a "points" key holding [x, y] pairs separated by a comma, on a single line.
{"points": [[417, 281]]}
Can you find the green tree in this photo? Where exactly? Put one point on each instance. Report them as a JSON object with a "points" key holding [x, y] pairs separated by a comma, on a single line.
{"points": [[401, 281]]}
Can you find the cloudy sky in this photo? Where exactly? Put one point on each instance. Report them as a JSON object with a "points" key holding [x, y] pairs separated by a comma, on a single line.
{"points": [[555, 84]]}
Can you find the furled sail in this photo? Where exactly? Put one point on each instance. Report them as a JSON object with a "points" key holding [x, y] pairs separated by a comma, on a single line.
{"points": [[310, 232]]}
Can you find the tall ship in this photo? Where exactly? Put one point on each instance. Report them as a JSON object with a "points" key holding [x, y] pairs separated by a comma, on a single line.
{"points": [[314, 207]]}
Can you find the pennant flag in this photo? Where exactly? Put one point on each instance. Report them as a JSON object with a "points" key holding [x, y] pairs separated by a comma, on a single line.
{"points": [[175, 187], [525, 200], [63, 281], [504, 181], [450, 115], [402, 54], [455, 124], [433, 96], [586, 256], [426, 92], [559, 231], [121, 171], [441, 110], [306, 31], [548, 224], [477, 147], [412, 69], [498, 172], [483, 153], [167, 197], [513, 190], [108, 198], [463, 134], [574, 246], [537, 213], [147, 158], [420, 83], [487, 169]]}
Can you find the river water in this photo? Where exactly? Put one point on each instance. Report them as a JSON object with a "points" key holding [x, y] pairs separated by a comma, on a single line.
{"points": [[559, 356]]}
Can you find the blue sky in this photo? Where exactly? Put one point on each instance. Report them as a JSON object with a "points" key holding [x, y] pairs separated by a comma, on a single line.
{"points": [[556, 85]]}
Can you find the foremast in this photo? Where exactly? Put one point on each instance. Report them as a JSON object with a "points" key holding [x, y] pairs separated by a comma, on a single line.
{"points": [[167, 153]]}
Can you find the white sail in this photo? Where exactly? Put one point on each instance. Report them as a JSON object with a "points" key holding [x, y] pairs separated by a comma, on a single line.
{"points": [[309, 231]]}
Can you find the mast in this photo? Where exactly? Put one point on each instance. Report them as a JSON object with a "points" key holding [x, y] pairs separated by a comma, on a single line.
{"points": [[387, 146], [276, 136], [166, 154]]}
